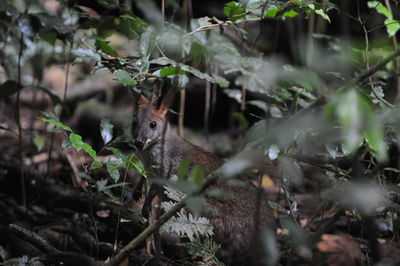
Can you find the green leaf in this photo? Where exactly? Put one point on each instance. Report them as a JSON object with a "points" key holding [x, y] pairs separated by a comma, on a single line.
{"points": [[96, 164], [243, 123], [195, 204], [380, 8], [117, 152], [39, 142], [233, 10], [9, 88], [290, 14], [76, 141], [358, 121], [219, 80], [132, 26], [323, 14], [222, 82], [271, 11], [392, 26], [124, 77], [164, 72], [112, 165], [185, 186], [147, 41], [80, 52], [104, 47], [78, 144], [163, 61], [106, 130], [113, 172], [87, 148], [48, 35], [56, 123], [138, 165], [197, 175], [183, 168], [395, 170]]}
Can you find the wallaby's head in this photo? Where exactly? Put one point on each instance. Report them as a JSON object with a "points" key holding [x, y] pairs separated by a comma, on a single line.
{"points": [[150, 123]]}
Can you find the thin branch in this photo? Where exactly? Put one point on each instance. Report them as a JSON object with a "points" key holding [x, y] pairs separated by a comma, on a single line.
{"points": [[383, 25], [18, 121], [182, 99], [367, 73], [121, 200], [216, 25]]}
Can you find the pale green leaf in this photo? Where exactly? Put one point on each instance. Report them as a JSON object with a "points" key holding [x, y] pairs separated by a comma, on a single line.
{"points": [[197, 175], [96, 164], [323, 14], [39, 142], [56, 123], [392, 26], [147, 42], [80, 52], [380, 8], [124, 77]]}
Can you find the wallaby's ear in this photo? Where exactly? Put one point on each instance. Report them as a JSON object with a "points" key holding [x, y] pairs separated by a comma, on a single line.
{"points": [[142, 100], [166, 103], [139, 101]]}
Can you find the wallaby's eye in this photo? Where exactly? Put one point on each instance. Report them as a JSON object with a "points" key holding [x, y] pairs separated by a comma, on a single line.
{"points": [[153, 124]]}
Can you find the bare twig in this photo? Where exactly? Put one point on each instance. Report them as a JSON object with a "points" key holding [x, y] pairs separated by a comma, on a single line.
{"points": [[216, 25], [207, 108], [367, 73], [182, 99], [120, 200], [18, 121]]}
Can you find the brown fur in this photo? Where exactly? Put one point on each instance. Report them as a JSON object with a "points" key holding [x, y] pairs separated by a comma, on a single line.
{"points": [[234, 222]]}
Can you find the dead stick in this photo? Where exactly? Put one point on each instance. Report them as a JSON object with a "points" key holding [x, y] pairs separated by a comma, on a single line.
{"points": [[154, 226]]}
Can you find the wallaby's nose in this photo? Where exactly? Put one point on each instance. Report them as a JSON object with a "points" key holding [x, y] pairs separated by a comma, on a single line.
{"points": [[139, 144]]}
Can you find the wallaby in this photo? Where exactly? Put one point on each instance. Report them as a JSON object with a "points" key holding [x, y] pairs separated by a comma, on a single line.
{"points": [[162, 151]]}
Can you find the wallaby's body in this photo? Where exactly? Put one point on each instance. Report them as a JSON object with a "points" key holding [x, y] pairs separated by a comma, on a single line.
{"points": [[162, 152]]}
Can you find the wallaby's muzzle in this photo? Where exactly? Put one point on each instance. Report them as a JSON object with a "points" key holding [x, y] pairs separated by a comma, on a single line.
{"points": [[139, 144]]}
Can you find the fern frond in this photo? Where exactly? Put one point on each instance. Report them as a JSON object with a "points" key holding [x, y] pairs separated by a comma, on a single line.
{"points": [[187, 225], [205, 250]]}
